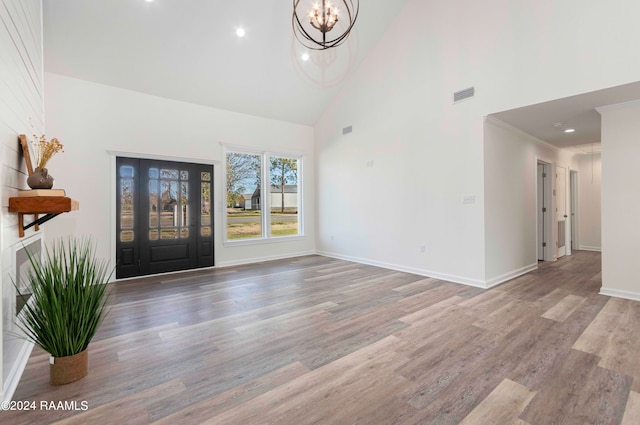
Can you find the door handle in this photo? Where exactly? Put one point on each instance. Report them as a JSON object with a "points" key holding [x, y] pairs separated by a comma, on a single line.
{"points": [[565, 216]]}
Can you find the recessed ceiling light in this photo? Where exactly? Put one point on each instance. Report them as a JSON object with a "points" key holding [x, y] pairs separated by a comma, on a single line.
{"points": [[305, 56], [148, 1], [240, 32], [570, 130]]}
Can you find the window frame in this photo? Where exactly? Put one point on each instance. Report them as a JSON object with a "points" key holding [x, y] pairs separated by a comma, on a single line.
{"points": [[265, 198]]}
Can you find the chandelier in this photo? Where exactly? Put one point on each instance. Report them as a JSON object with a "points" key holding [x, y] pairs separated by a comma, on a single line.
{"points": [[323, 17]]}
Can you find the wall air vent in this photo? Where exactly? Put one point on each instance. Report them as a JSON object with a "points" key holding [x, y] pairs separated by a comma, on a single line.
{"points": [[465, 94], [347, 130]]}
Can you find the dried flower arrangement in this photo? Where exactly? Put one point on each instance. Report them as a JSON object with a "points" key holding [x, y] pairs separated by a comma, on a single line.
{"points": [[44, 149]]}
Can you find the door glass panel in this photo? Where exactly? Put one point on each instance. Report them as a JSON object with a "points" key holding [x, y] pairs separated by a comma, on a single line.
{"points": [[169, 202], [184, 202], [169, 174], [184, 233], [205, 231], [126, 203], [169, 234], [153, 173], [153, 204], [126, 171], [204, 176], [184, 175], [154, 234], [205, 203]]}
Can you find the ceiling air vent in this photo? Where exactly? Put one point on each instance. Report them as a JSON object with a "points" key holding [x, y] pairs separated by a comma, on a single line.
{"points": [[465, 94], [347, 130]]}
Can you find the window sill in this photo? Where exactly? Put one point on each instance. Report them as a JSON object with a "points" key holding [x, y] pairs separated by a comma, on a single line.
{"points": [[277, 239]]}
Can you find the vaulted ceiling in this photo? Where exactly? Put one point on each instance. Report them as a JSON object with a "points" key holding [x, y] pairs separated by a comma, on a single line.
{"points": [[188, 50]]}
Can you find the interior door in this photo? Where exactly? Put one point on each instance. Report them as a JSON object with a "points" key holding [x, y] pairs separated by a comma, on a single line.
{"points": [[542, 210], [561, 209], [164, 220]]}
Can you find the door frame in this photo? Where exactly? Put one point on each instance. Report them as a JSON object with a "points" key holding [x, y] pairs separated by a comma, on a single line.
{"points": [[547, 252], [113, 194]]}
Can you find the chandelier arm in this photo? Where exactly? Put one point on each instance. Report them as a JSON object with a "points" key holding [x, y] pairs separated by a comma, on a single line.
{"points": [[302, 32]]}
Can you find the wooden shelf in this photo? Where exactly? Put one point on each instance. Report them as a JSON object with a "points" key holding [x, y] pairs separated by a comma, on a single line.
{"points": [[51, 206]]}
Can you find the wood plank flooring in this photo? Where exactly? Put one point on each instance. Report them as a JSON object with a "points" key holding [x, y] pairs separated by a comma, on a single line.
{"points": [[315, 340]]}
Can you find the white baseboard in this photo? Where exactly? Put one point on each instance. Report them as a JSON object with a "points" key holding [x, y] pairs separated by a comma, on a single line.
{"points": [[16, 371], [590, 248], [511, 275], [263, 259], [635, 296], [421, 272]]}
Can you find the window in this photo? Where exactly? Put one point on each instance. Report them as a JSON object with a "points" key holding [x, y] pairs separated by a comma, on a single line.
{"points": [[244, 216], [258, 183], [283, 195]]}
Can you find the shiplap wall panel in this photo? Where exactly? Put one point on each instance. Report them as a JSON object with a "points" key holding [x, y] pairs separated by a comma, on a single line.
{"points": [[21, 112]]}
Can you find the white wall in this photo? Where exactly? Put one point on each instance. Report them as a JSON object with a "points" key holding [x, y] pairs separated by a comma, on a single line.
{"points": [[510, 161], [429, 152], [620, 200], [589, 202], [91, 119], [21, 112]]}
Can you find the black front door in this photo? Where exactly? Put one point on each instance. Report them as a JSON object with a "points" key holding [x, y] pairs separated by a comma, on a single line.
{"points": [[164, 220]]}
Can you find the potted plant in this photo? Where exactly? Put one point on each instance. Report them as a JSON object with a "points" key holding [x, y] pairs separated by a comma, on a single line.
{"points": [[43, 150], [67, 304]]}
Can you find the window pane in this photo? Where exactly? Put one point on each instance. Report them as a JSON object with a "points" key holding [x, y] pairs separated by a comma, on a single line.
{"points": [[205, 231], [244, 216], [284, 195], [126, 236], [205, 176], [184, 175]]}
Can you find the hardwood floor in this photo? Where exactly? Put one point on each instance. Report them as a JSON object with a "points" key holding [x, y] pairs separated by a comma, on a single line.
{"points": [[322, 341]]}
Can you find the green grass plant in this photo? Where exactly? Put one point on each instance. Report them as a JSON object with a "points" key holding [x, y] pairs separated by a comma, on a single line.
{"points": [[68, 297]]}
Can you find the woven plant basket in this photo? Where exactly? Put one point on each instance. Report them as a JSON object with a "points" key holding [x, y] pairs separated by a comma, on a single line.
{"points": [[65, 370]]}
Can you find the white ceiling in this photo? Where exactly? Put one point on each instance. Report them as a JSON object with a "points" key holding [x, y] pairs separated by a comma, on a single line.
{"points": [[187, 50], [548, 120]]}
